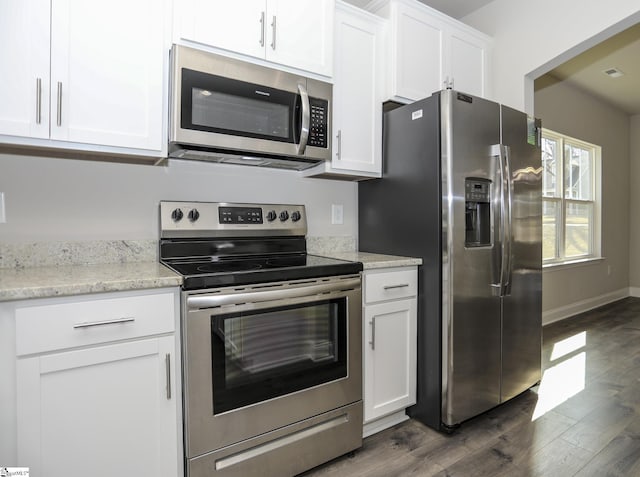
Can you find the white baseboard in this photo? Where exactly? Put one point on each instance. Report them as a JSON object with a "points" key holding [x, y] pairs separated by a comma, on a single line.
{"points": [[566, 311], [384, 423]]}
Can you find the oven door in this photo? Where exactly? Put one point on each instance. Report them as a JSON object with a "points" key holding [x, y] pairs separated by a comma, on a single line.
{"points": [[258, 358]]}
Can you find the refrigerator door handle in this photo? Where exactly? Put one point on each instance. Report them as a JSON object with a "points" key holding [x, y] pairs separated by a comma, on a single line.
{"points": [[499, 151], [508, 198]]}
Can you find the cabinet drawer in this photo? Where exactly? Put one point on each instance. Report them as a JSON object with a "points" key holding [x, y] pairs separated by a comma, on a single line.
{"points": [[71, 324], [390, 284]]}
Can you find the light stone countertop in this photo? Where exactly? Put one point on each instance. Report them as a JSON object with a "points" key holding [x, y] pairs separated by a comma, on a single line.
{"points": [[66, 280], [372, 261]]}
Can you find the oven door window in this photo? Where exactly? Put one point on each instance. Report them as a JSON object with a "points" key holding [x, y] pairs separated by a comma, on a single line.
{"points": [[268, 353], [227, 106]]}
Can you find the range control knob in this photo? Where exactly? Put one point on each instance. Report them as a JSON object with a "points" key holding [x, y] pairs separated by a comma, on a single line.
{"points": [[271, 215], [177, 215], [284, 215], [193, 215], [295, 216]]}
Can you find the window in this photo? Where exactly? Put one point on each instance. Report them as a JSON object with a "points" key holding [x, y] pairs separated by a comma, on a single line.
{"points": [[570, 198]]}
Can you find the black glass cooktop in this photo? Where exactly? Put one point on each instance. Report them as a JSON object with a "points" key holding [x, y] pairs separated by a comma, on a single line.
{"points": [[215, 272]]}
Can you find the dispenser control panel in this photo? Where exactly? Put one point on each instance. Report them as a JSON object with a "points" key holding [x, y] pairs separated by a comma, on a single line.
{"points": [[477, 190]]}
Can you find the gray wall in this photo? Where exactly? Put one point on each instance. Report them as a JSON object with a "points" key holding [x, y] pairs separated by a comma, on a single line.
{"points": [[571, 111], [49, 199], [532, 38]]}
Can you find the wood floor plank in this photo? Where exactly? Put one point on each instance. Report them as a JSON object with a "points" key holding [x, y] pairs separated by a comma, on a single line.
{"points": [[592, 429], [620, 458], [558, 458]]}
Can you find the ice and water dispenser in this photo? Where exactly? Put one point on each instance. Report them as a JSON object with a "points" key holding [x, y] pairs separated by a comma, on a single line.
{"points": [[477, 202]]}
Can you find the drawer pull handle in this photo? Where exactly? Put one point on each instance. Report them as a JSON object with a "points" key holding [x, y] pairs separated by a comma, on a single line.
{"points": [[391, 287], [105, 322]]}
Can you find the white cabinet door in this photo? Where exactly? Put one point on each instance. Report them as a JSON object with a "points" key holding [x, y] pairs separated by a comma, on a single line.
{"points": [[300, 34], [430, 51], [358, 92], [468, 67], [100, 411], [24, 68], [288, 32], [357, 113], [107, 72], [235, 26], [389, 357], [419, 54]]}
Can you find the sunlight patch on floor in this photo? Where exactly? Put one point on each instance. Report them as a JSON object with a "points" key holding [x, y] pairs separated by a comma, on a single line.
{"points": [[569, 345], [566, 378]]}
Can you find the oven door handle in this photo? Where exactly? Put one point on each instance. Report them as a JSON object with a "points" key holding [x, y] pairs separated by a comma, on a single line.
{"points": [[210, 301]]}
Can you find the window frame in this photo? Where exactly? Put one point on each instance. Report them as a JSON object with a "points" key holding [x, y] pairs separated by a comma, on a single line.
{"points": [[561, 200]]}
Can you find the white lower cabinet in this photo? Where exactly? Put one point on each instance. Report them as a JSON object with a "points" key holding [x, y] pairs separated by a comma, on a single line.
{"points": [[97, 386], [389, 333]]}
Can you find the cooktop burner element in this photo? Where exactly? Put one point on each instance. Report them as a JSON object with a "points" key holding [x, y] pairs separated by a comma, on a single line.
{"points": [[215, 244]]}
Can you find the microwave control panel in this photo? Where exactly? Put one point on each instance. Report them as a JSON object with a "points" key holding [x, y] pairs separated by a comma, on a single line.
{"points": [[318, 125]]}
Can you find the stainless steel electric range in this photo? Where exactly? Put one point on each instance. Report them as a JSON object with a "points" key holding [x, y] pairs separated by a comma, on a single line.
{"points": [[271, 340]]}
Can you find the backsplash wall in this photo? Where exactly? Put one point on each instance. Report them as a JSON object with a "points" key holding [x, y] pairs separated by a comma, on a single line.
{"points": [[58, 200]]}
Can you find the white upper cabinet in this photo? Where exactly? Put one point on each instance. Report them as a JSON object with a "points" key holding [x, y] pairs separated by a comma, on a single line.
{"points": [[107, 72], [468, 57], [287, 32], [429, 51], [24, 68], [80, 72], [234, 26], [358, 92]]}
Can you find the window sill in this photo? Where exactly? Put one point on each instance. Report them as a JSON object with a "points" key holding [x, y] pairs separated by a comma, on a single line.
{"points": [[557, 266]]}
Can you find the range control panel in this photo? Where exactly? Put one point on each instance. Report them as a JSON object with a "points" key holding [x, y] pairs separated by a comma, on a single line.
{"points": [[224, 219]]}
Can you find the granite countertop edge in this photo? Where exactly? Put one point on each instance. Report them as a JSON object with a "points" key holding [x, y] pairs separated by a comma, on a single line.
{"points": [[70, 280], [371, 261]]}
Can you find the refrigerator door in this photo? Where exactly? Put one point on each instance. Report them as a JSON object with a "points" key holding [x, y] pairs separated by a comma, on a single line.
{"points": [[522, 308], [471, 326]]}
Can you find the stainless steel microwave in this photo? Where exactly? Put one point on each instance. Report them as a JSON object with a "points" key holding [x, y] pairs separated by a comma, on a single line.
{"points": [[226, 110]]}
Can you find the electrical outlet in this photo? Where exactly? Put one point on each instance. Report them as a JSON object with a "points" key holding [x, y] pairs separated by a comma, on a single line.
{"points": [[337, 214], [3, 217]]}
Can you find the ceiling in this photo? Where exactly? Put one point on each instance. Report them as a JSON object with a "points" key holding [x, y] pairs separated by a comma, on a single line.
{"points": [[453, 8], [621, 51]]}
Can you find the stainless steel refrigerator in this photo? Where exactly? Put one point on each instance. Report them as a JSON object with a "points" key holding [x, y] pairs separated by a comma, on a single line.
{"points": [[461, 188]]}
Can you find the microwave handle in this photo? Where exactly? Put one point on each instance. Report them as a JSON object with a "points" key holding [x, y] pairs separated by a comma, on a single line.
{"points": [[306, 118]]}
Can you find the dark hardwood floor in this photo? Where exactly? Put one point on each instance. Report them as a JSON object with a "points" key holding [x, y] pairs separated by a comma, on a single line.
{"points": [[582, 420]]}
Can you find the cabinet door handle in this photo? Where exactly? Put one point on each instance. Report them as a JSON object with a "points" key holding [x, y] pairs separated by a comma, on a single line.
{"points": [[59, 116], [167, 363], [38, 100], [339, 148], [273, 33], [262, 29], [373, 333], [391, 287], [118, 321]]}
